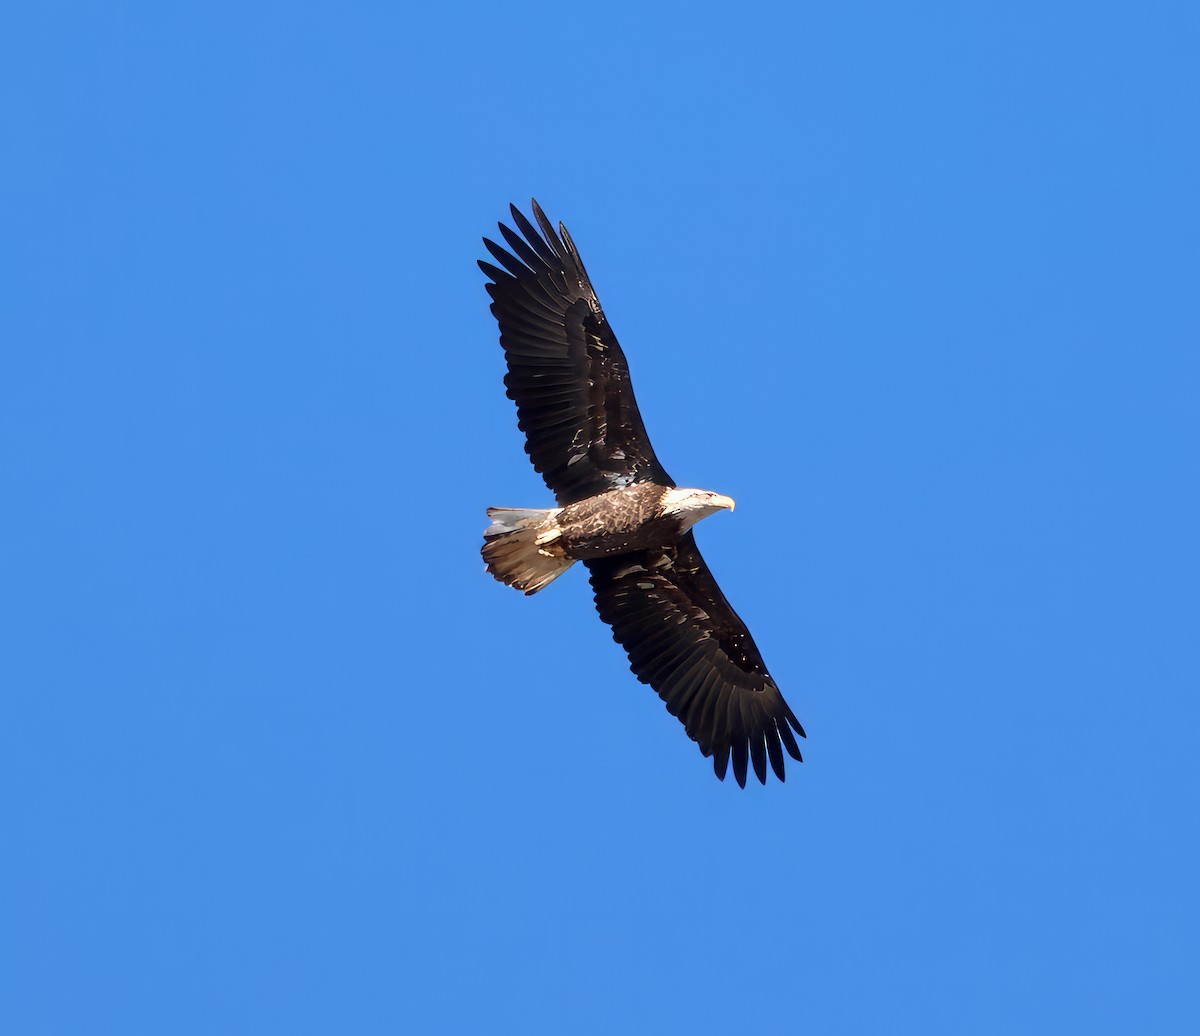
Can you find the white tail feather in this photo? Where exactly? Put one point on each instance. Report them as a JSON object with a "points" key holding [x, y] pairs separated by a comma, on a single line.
{"points": [[520, 549]]}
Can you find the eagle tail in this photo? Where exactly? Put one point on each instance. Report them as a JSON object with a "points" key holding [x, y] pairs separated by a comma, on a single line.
{"points": [[521, 547]]}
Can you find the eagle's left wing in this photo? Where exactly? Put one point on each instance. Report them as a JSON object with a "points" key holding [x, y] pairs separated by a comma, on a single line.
{"points": [[566, 371], [686, 641]]}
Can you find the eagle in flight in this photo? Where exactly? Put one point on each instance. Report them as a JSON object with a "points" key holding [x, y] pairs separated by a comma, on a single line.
{"points": [[619, 512]]}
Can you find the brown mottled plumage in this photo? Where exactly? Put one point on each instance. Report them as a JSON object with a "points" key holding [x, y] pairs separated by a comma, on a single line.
{"points": [[619, 512]]}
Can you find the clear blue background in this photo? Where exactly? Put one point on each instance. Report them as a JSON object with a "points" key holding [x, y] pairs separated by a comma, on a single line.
{"points": [[916, 284]]}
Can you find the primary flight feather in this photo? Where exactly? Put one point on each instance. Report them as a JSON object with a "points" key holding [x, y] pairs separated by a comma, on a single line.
{"points": [[619, 512]]}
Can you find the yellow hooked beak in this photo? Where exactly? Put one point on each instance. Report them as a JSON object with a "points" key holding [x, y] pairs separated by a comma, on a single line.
{"points": [[723, 501]]}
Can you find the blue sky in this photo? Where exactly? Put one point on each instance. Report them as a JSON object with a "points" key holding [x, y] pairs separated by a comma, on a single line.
{"points": [[915, 284]]}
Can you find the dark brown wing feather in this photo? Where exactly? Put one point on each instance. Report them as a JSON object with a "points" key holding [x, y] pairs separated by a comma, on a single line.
{"points": [[566, 372], [686, 641]]}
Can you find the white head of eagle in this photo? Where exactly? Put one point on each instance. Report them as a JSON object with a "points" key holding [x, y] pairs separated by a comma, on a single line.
{"points": [[690, 505]]}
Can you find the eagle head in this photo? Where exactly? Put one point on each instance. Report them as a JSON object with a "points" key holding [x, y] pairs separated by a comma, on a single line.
{"points": [[690, 505]]}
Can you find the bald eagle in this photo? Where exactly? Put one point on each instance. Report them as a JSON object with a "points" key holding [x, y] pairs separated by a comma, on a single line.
{"points": [[619, 512]]}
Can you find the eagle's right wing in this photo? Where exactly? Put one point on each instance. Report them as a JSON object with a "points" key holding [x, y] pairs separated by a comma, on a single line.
{"points": [[686, 641], [566, 372]]}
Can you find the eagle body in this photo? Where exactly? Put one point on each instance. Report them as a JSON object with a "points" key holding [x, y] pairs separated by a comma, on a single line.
{"points": [[619, 512], [639, 517], [619, 521], [530, 548]]}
